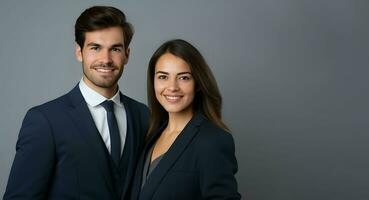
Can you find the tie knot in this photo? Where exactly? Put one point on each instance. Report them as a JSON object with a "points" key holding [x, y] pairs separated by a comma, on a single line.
{"points": [[108, 105]]}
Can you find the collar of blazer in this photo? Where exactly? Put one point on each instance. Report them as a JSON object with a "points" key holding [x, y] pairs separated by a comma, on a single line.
{"points": [[173, 153], [83, 120]]}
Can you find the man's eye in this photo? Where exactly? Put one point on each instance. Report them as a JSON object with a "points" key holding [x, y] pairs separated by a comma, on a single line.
{"points": [[117, 49], [94, 48]]}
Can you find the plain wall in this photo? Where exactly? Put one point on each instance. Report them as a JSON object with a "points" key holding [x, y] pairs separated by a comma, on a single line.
{"points": [[293, 74]]}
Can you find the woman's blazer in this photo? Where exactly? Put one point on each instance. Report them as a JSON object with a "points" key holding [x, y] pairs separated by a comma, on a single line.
{"points": [[200, 164]]}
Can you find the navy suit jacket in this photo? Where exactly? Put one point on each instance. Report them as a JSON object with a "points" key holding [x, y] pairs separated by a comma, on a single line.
{"points": [[200, 164], [60, 153]]}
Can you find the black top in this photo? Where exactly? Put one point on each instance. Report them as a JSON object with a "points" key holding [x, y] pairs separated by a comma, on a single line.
{"points": [[149, 167], [200, 164]]}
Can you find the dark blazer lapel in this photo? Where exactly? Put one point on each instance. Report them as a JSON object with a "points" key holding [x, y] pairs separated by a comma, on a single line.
{"points": [[82, 118], [131, 126], [133, 140], [140, 164], [171, 156]]}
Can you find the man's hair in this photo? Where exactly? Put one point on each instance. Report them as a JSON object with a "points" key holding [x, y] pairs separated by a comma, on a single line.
{"points": [[101, 17]]}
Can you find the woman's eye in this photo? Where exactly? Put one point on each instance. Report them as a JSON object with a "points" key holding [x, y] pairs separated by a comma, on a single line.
{"points": [[184, 78], [162, 77]]}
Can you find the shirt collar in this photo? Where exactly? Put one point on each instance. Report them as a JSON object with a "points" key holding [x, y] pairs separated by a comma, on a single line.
{"points": [[93, 98]]}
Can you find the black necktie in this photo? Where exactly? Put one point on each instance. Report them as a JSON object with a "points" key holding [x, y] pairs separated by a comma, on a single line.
{"points": [[113, 130]]}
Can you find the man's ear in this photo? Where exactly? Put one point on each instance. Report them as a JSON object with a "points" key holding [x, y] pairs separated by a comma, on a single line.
{"points": [[127, 53], [78, 52]]}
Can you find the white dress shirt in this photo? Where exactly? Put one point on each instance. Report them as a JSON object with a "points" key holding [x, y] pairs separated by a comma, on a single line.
{"points": [[93, 100]]}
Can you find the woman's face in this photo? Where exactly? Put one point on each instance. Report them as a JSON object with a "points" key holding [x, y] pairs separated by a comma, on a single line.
{"points": [[174, 85]]}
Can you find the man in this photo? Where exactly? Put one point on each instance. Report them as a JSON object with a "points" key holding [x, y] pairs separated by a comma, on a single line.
{"points": [[84, 145]]}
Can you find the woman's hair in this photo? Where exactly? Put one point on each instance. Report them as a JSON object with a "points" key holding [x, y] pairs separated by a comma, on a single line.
{"points": [[207, 100]]}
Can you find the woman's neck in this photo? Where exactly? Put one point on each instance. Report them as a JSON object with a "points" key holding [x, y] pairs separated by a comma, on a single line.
{"points": [[177, 122]]}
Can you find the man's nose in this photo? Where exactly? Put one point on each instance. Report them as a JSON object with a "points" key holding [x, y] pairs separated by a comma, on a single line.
{"points": [[106, 56]]}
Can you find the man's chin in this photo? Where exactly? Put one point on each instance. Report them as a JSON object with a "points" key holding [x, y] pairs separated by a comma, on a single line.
{"points": [[102, 82], [106, 85]]}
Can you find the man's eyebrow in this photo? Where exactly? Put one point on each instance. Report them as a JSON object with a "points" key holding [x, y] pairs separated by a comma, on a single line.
{"points": [[118, 45], [98, 45], [93, 44]]}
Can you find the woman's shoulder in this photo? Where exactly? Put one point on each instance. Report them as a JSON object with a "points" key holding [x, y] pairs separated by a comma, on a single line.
{"points": [[211, 136], [209, 129]]}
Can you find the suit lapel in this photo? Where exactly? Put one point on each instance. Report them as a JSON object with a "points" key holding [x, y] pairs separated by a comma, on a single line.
{"points": [[171, 156], [141, 162], [131, 142], [82, 118]]}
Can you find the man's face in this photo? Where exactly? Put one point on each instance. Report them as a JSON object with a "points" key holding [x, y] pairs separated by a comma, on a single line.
{"points": [[103, 58]]}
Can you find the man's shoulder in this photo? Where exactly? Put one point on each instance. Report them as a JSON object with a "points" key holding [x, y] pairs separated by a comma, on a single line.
{"points": [[134, 103], [137, 109], [58, 103]]}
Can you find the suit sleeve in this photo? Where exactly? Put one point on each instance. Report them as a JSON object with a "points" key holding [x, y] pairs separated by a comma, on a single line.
{"points": [[34, 161], [218, 167]]}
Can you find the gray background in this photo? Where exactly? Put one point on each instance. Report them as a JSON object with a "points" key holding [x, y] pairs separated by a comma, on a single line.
{"points": [[293, 75]]}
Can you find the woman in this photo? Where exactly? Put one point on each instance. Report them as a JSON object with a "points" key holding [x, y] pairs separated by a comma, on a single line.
{"points": [[189, 154]]}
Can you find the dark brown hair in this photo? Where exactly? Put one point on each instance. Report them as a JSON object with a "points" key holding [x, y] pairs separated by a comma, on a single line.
{"points": [[101, 17], [207, 100]]}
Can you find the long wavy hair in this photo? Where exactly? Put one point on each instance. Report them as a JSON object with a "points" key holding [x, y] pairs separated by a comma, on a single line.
{"points": [[207, 100]]}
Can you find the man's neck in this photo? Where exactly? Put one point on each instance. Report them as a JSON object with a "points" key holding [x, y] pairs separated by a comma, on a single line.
{"points": [[106, 92]]}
